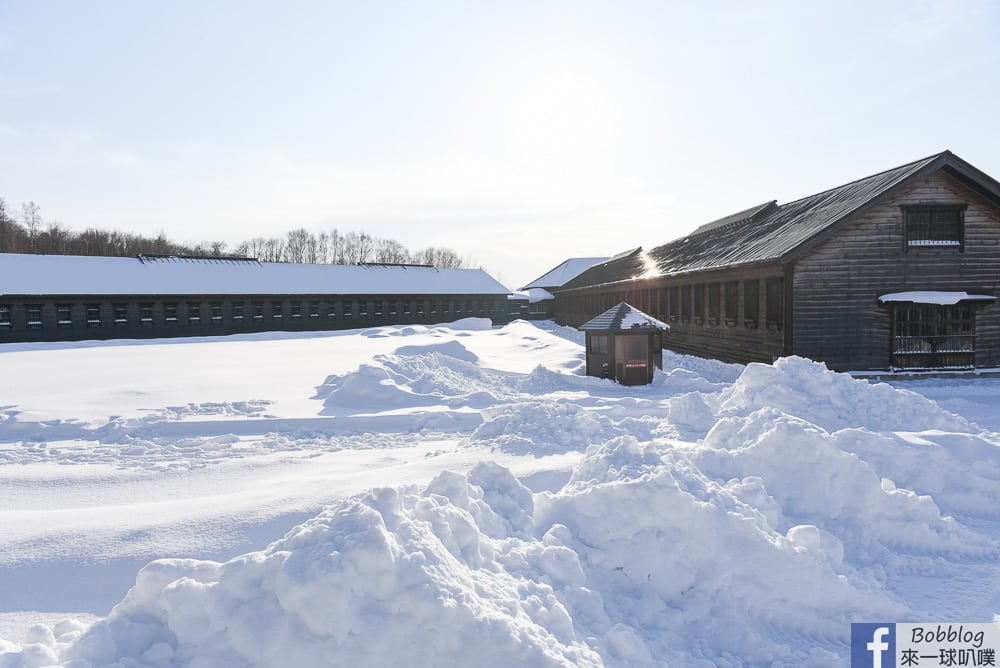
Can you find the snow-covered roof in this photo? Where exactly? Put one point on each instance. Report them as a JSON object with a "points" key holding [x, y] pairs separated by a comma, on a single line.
{"points": [[934, 297], [536, 295], [624, 318], [565, 272], [78, 275]]}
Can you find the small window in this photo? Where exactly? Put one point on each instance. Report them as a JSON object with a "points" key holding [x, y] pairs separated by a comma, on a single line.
{"points": [[732, 290], [479, 303], [194, 313], [420, 307], [434, 306], [276, 311], [446, 306], [121, 314], [377, 308], [146, 313], [406, 307], [362, 308], [65, 312], [313, 310], [33, 313], [934, 225], [714, 299], [237, 311], [392, 307], [775, 304], [216, 311], [5, 315], [699, 303], [331, 309], [170, 313], [348, 304], [599, 344], [295, 310], [92, 313], [751, 303], [258, 310]]}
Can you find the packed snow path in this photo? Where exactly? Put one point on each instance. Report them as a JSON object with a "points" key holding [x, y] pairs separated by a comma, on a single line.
{"points": [[462, 495]]}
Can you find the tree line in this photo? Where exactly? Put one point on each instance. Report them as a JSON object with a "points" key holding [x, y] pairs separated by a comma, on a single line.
{"points": [[25, 231]]}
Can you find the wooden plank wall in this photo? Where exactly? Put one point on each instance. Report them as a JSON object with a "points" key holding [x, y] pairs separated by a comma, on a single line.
{"points": [[730, 341], [837, 317]]}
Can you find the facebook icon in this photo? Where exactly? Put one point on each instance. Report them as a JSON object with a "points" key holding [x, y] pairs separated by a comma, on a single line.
{"points": [[873, 645]]}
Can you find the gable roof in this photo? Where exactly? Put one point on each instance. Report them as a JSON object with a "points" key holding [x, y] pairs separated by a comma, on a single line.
{"points": [[777, 233], [22, 274], [565, 272], [624, 317]]}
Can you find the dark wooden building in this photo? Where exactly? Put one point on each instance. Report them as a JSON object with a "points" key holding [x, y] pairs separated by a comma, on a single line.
{"points": [[899, 270], [624, 344], [66, 298]]}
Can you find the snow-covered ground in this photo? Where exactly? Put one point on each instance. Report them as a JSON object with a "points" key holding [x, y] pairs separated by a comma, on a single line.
{"points": [[462, 495]]}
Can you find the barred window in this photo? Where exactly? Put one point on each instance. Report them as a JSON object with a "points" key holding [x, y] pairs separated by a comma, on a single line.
{"points": [[33, 314], [295, 310], [277, 311], [170, 313], [313, 310], [194, 313], [146, 313], [65, 312], [216, 310], [237, 311], [751, 303], [699, 303], [92, 313], [732, 290], [121, 314], [5, 315], [714, 297], [775, 304], [934, 225]]}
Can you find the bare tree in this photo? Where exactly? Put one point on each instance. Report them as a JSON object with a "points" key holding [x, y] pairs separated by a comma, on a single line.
{"points": [[390, 250], [297, 245]]}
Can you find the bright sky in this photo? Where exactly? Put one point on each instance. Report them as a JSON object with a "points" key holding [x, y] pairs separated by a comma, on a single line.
{"points": [[517, 133]]}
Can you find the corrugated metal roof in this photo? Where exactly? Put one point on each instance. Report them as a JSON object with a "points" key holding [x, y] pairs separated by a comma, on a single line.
{"points": [[624, 318], [765, 233], [78, 275]]}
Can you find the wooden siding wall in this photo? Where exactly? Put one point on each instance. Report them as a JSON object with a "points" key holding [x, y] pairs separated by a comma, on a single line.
{"points": [[277, 313], [837, 315], [730, 340]]}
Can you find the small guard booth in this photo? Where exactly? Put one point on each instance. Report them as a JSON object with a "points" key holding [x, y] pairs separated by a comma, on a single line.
{"points": [[624, 344]]}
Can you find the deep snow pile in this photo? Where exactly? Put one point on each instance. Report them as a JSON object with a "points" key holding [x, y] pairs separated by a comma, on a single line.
{"points": [[723, 516]]}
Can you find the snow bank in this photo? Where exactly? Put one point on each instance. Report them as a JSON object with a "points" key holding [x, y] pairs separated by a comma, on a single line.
{"points": [[809, 390], [640, 559], [447, 375]]}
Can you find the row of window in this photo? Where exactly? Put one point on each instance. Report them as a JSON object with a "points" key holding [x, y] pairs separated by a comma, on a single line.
{"points": [[731, 303], [122, 314]]}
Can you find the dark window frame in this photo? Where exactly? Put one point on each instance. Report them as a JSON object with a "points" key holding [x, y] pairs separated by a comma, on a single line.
{"points": [[731, 302], [698, 303], [774, 303], [64, 315], [92, 314], [119, 311], [751, 303], [934, 226], [714, 303], [146, 314], [6, 315], [33, 316], [170, 313]]}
